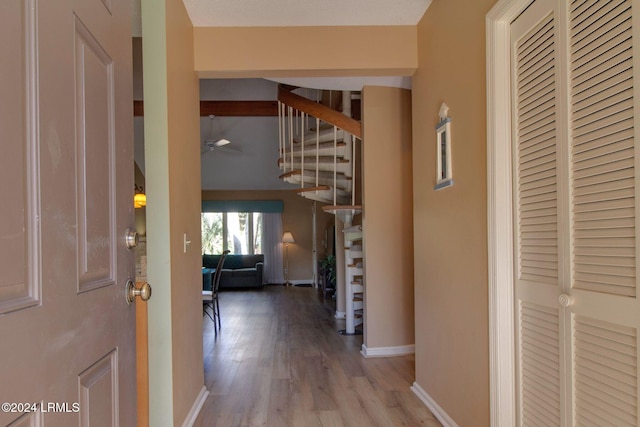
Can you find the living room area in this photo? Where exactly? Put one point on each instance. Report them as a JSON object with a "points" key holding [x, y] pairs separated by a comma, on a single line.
{"points": [[243, 222]]}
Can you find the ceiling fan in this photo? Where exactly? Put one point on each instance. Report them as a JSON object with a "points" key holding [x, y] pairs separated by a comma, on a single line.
{"points": [[213, 144]]}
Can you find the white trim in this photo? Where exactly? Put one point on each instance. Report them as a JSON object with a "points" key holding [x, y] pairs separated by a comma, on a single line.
{"points": [[433, 406], [341, 315], [301, 282], [499, 213], [400, 350], [195, 409]]}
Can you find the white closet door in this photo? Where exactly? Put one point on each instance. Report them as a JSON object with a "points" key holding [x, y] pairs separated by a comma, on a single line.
{"points": [[538, 269], [605, 314], [575, 121]]}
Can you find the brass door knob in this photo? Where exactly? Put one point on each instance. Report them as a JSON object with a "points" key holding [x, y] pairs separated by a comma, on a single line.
{"points": [[144, 291]]}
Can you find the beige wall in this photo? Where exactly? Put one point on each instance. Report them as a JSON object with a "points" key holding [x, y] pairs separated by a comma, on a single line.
{"points": [[296, 218], [452, 363], [184, 189], [173, 208], [387, 217], [305, 51]]}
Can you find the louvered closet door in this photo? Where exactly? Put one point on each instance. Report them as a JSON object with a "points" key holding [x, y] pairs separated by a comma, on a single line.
{"points": [[538, 269], [575, 213], [605, 314]]}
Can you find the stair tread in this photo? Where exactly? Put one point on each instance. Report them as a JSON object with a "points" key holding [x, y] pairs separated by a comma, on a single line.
{"points": [[311, 173], [342, 207], [339, 191], [341, 185], [317, 188], [325, 132], [319, 159], [311, 145], [290, 173], [323, 126], [322, 196]]}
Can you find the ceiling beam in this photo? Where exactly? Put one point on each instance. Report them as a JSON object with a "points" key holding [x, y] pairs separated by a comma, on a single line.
{"points": [[239, 108], [226, 108]]}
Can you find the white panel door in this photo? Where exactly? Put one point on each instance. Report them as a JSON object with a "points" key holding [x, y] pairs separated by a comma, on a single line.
{"points": [[66, 182], [575, 186]]}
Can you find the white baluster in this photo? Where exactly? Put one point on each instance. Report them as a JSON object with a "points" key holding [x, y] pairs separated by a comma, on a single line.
{"points": [[346, 110], [353, 173], [279, 128], [291, 134], [335, 163], [317, 151], [302, 114]]}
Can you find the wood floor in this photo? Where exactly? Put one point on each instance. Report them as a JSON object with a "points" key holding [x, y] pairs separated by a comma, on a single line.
{"points": [[279, 361]]}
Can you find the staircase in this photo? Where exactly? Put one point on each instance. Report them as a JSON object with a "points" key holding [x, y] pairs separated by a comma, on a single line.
{"points": [[319, 152], [317, 148], [354, 278]]}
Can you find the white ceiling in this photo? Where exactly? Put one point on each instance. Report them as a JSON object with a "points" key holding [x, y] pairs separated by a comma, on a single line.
{"points": [[248, 13], [245, 13]]}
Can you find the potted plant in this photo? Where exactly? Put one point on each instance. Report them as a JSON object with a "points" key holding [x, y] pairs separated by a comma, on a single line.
{"points": [[328, 264]]}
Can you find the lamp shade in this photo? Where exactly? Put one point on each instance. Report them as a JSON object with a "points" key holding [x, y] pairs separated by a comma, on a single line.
{"points": [[287, 237]]}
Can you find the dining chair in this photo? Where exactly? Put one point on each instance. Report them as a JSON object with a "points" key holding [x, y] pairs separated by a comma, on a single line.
{"points": [[210, 297]]}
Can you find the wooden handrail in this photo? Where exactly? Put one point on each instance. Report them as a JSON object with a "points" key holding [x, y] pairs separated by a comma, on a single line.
{"points": [[320, 111]]}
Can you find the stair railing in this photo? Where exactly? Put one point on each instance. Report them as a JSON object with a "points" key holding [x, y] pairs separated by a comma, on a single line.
{"points": [[292, 106]]}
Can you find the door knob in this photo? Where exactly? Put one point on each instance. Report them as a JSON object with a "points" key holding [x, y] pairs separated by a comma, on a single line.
{"points": [[131, 238], [565, 300], [131, 292]]}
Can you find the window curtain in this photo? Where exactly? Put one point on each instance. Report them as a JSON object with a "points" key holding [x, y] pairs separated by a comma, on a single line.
{"points": [[272, 244]]}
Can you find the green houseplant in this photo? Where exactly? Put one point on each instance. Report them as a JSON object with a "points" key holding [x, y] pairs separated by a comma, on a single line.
{"points": [[329, 266]]}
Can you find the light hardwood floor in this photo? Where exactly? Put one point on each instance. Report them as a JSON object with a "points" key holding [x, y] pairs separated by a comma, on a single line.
{"points": [[279, 361]]}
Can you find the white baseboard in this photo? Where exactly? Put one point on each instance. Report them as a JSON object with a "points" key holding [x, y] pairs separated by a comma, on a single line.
{"points": [[301, 282], [341, 315], [388, 351], [195, 409], [433, 406]]}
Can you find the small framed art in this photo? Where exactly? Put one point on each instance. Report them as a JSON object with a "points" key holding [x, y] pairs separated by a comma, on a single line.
{"points": [[444, 173]]}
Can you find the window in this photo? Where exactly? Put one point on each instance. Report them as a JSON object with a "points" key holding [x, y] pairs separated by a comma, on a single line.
{"points": [[212, 233], [239, 232]]}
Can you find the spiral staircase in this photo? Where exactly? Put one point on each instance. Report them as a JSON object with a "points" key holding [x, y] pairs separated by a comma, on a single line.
{"points": [[319, 149]]}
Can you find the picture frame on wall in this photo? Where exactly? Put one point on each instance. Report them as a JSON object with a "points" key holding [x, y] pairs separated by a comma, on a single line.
{"points": [[444, 171]]}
